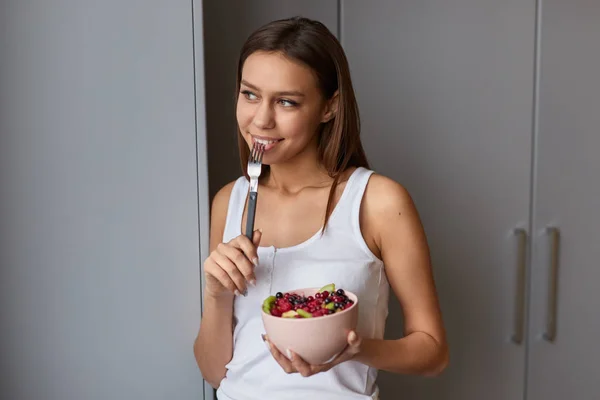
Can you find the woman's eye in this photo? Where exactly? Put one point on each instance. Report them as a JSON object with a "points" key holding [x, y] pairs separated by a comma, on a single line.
{"points": [[287, 103], [249, 95]]}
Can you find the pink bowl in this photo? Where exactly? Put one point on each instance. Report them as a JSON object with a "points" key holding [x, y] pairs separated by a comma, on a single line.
{"points": [[317, 340]]}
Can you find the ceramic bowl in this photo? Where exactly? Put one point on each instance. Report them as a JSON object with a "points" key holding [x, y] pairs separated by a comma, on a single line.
{"points": [[317, 340]]}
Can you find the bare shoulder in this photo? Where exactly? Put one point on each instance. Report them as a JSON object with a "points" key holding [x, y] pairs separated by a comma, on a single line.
{"points": [[387, 212], [384, 195], [218, 214]]}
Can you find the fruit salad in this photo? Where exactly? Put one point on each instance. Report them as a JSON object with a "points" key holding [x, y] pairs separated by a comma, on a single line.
{"points": [[326, 301]]}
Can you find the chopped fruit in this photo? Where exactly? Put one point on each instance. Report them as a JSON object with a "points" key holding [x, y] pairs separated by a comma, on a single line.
{"points": [[293, 305], [304, 314], [329, 288], [289, 314], [268, 303]]}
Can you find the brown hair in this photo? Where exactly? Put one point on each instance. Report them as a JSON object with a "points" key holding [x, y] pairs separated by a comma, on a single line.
{"points": [[311, 43]]}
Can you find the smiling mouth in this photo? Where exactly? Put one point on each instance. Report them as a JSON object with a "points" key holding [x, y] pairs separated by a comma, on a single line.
{"points": [[268, 143]]}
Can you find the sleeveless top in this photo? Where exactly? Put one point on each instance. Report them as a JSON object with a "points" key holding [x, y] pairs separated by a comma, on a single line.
{"points": [[339, 256]]}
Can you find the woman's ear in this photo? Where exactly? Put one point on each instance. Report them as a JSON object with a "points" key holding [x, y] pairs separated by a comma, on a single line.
{"points": [[331, 107]]}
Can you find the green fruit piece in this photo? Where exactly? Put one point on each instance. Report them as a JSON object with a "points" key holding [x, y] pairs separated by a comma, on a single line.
{"points": [[304, 314], [289, 314], [268, 304], [330, 306], [330, 288]]}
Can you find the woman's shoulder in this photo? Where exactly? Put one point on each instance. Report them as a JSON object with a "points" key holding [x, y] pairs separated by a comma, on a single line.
{"points": [[384, 197]]}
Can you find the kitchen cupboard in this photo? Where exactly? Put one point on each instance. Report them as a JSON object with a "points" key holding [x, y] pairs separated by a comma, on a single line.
{"points": [[103, 191], [564, 320], [488, 112]]}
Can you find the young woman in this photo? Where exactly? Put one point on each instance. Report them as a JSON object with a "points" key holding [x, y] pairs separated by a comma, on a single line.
{"points": [[322, 216]]}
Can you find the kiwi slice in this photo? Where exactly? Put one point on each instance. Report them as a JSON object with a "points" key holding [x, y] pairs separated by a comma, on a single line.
{"points": [[304, 313], [289, 314], [330, 288], [268, 304], [330, 306]]}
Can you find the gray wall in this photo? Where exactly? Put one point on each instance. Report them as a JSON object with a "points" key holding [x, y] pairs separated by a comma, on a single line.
{"points": [[99, 242]]}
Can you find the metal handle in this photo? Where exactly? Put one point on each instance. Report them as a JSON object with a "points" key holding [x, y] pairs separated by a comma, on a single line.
{"points": [[517, 335], [550, 330]]}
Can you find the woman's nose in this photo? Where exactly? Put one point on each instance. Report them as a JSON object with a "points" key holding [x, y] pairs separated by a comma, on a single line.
{"points": [[264, 117]]}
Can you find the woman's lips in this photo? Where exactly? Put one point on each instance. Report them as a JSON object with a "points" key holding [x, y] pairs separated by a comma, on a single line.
{"points": [[268, 143]]}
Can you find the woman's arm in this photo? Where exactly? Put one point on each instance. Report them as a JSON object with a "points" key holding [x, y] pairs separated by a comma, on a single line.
{"points": [[392, 228], [213, 347]]}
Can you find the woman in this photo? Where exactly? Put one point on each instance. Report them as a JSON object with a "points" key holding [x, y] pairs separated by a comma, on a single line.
{"points": [[323, 217]]}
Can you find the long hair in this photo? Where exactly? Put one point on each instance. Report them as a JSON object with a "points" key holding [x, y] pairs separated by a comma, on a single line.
{"points": [[312, 44]]}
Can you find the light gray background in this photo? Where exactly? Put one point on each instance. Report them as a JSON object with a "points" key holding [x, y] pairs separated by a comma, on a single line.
{"points": [[99, 243]]}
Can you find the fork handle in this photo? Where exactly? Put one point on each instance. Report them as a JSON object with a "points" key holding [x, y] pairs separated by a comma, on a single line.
{"points": [[251, 213]]}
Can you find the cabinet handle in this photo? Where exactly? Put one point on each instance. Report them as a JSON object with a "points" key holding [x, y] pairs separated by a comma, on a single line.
{"points": [[550, 330], [517, 335]]}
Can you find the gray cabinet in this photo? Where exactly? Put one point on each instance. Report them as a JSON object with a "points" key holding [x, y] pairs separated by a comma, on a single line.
{"points": [[501, 155], [445, 91], [99, 238], [564, 356]]}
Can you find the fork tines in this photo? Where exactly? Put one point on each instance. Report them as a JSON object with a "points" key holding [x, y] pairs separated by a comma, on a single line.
{"points": [[258, 150], [254, 169]]}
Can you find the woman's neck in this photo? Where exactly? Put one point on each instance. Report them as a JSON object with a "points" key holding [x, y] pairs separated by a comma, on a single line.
{"points": [[302, 172]]}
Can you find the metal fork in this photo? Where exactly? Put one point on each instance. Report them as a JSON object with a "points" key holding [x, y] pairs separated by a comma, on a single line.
{"points": [[254, 168]]}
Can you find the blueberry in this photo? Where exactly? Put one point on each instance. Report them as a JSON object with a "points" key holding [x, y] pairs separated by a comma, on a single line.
{"points": [[327, 300], [278, 295], [340, 292], [338, 305]]}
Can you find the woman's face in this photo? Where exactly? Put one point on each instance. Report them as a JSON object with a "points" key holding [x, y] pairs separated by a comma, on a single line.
{"points": [[280, 105]]}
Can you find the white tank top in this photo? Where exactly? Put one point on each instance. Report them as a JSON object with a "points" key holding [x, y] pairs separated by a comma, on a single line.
{"points": [[340, 256]]}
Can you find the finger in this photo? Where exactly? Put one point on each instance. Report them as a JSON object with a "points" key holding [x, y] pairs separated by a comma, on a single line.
{"points": [[213, 269], [248, 247], [280, 358], [354, 342], [300, 365], [227, 266], [241, 262], [256, 237]]}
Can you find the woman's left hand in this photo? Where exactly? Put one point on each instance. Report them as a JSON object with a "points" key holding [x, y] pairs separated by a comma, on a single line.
{"points": [[295, 363]]}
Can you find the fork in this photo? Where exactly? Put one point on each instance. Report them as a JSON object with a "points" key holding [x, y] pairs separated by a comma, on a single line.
{"points": [[254, 168]]}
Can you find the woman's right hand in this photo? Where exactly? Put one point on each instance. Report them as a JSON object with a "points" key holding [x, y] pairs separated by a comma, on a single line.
{"points": [[230, 267]]}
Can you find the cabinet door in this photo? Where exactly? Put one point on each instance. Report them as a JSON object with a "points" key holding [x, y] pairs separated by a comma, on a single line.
{"points": [[445, 90], [99, 260], [564, 355]]}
